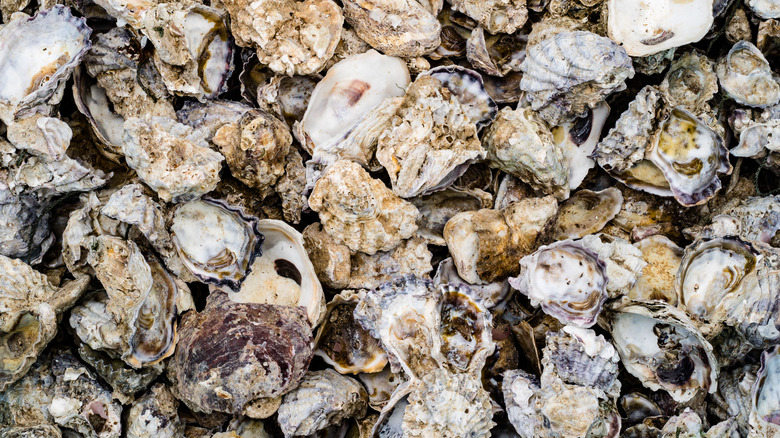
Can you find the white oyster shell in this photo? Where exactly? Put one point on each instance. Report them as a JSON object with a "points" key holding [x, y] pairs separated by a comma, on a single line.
{"points": [[624, 262], [578, 140], [567, 280], [171, 158], [765, 8], [643, 30], [746, 76]]}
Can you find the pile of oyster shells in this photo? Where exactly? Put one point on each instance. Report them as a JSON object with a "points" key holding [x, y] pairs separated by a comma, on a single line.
{"points": [[390, 218]]}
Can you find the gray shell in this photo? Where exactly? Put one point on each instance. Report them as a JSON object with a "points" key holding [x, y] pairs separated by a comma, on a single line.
{"points": [[571, 71]]}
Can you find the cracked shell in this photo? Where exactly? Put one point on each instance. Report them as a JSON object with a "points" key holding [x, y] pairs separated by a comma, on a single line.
{"points": [[324, 398], [361, 212], [430, 142], [659, 345], [218, 243], [232, 354], [291, 37], [154, 148], [746, 76], [567, 280], [569, 72]]}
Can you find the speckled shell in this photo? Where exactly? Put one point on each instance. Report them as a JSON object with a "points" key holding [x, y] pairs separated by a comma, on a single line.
{"points": [[571, 71], [231, 354], [361, 212], [323, 398]]}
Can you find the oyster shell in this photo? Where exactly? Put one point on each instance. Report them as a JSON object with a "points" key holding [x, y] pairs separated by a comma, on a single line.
{"points": [[520, 143], [438, 208], [657, 281], [489, 294], [396, 28], [746, 76], [345, 344], [691, 82], [660, 346], [359, 211], [644, 31], [567, 280], [569, 72], [468, 87], [430, 141], [224, 361], [504, 16], [37, 56], [323, 398], [155, 414], [380, 386], [765, 8], [448, 405], [578, 140], [171, 158], [283, 273], [296, 38], [765, 405], [486, 244], [624, 262], [215, 241], [587, 212]]}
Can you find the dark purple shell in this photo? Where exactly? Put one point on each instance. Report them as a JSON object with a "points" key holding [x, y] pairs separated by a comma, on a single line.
{"points": [[231, 354]]}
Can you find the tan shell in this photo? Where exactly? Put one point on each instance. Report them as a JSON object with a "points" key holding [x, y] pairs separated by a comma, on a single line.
{"points": [[587, 212], [504, 16], [359, 211], [291, 37], [486, 244], [657, 281]]}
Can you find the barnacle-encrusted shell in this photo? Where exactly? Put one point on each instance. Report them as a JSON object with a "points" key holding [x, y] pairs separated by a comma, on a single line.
{"points": [[746, 76], [430, 140], [448, 405], [567, 280], [486, 244], [587, 212], [394, 27], [291, 37], [283, 273], [504, 16], [359, 211], [231, 354], [643, 31], [520, 143], [171, 158], [660, 346], [569, 72], [37, 56], [323, 398], [215, 241], [155, 414], [255, 148], [345, 344]]}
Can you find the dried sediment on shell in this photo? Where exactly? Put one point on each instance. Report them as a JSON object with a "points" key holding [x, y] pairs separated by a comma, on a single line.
{"points": [[155, 414], [569, 72], [255, 148], [624, 262], [323, 398], [567, 280], [746, 76], [231, 354], [658, 276], [448, 405], [345, 344], [504, 16], [486, 244], [171, 158], [430, 140], [359, 211], [118, 63], [646, 30], [37, 55], [396, 28], [291, 37], [520, 143]]}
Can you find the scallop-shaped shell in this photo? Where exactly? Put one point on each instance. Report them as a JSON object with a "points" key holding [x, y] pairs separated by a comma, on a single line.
{"points": [[323, 398], [231, 354], [37, 56], [343, 343], [283, 273], [567, 280], [569, 72], [691, 156], [746, 76], [216, 242], [659, 345], [467, 85], [359, 211]]}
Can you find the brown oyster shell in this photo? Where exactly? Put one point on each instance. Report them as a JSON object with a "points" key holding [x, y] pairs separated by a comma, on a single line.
{"points": [[231, 354]]}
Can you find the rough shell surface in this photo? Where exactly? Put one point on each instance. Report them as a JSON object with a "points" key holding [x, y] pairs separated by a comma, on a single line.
{"points": [[504, 16], [155, 414], [745, 75]]}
